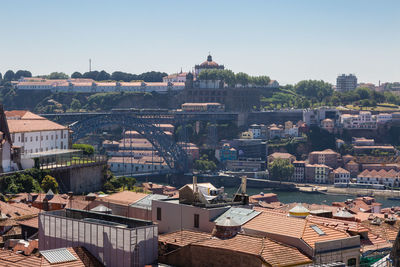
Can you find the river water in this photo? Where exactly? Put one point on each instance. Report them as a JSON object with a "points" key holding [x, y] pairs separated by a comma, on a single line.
{"points": [[288, 197]]}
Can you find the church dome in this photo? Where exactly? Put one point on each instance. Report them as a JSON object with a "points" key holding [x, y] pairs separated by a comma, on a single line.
{"points": [[209, 62]]}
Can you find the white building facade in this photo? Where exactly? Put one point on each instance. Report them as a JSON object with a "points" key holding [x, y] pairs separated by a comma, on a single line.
{"points": [[35, 134]]}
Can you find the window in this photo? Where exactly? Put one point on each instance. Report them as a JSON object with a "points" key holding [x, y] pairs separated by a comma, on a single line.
{"points": [[196, 220], [317, 230], [158, 214], [352, 262], [37, 138], [31, 139], [47, 137]]}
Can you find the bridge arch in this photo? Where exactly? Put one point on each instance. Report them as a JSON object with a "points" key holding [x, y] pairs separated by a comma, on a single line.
{"points": [[175, 157]]}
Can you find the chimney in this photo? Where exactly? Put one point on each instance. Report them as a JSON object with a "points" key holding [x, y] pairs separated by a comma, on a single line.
{"points": [[195, 184], [244, 184]]}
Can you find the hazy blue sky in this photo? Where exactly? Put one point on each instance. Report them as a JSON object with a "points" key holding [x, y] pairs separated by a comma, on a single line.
{"points": [[289, 40]]}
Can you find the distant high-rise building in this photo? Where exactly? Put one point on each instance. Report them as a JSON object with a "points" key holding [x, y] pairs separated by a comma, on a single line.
{"points": [[345, 83]]}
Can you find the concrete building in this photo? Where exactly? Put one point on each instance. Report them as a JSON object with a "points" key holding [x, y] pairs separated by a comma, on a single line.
{"points": [[341, 175], [248, 165], [317, 173], [281, 155], [388, 178], [369, 149], [34, 134], [197, 207], [346, 83], [207, 65], [328, 125], [327, 157], [91, 86], [383, 118], [225, 153], [8, 156], [113, 240], [175, 78], [315, 116], [250, 148], [361, 141], [290, 130], [299, 171], [364, 120], [203, 107]]}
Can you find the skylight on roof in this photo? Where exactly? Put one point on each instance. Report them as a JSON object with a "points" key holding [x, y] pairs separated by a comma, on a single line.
{"points": [[58, 255], [317, 230]]}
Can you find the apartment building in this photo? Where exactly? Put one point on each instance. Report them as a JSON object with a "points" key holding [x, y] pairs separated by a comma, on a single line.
{"points": [[341, 175], [91, 86], [327, 157], [33, 133], [364, 120], [299, 171], [389, 178], [346, 83]]}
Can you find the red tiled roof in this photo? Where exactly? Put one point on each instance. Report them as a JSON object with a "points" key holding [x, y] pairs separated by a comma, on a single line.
{"points": [[15, 210], [12, 259], [271, 252], [33, 222], [123, 197], [33, 125], [337, 224]]}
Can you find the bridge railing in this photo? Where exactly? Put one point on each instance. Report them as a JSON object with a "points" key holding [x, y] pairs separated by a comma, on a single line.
{"points": [[74, 161]]}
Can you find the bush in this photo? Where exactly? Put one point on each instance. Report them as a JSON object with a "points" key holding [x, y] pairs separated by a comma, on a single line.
{"points": [[88, 150]]}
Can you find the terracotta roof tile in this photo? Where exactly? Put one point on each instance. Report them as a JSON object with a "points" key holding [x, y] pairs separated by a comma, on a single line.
{"points": [[310, 236], [18, 126], [123, 197], [271, 252], [276, 223]]}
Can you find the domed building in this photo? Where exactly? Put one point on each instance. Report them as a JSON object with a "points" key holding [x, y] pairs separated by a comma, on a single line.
{"points": [[299, 211], [206, 65]]}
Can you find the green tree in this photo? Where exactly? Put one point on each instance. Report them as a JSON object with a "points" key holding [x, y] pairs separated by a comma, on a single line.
{"points": [[103, 76], [128, 182], [9, 75], [108, 187], [57, 75], [314, 89], [87, 149], [281, 170], [75, 104], [49, 182], [203, 164], [76, 75], [242, 78], [22, 73]]}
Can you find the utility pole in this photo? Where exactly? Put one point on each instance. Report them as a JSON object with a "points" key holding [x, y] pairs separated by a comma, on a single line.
{"points": [[90, 64]]}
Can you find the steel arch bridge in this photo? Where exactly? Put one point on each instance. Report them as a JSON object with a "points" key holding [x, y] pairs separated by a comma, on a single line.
{"points": [[175, 157]]}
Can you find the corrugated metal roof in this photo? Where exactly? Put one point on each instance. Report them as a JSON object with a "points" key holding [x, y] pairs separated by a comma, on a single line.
{"points": [[58, 255], [101, 208], [145, 203], [239, 215]]}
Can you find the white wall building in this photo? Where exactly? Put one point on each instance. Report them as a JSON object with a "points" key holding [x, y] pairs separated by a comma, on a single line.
{"points": [[91, 86], [341, 175], [364, 120], [34, 134], [388, 178], [383, 117]]}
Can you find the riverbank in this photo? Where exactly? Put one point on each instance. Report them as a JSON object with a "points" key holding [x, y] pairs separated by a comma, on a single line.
{"points": [[362, 191]]}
